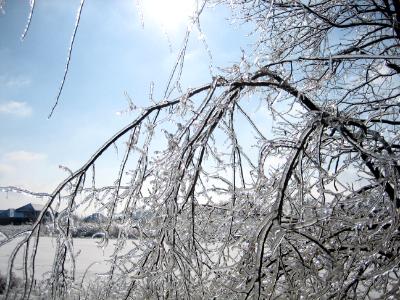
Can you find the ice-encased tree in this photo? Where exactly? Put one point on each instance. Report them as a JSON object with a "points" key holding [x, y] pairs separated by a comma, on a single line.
{"points": [[308, 210]]}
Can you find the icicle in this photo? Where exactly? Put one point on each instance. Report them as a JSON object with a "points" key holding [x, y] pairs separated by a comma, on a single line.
{"points": [[78, 17], [28, 23]]}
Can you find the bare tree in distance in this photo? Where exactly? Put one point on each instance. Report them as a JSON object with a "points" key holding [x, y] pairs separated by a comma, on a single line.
{"points": [[228, 220]]}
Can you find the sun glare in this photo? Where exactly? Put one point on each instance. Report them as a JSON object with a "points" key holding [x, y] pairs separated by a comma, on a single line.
{"points": [[169, 14]]}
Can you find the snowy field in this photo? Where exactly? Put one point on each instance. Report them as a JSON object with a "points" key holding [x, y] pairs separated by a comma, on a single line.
{"points": [[88, 254]]}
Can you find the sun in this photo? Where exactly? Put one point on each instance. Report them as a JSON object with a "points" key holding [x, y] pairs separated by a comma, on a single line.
{"points": [[168, 14]]}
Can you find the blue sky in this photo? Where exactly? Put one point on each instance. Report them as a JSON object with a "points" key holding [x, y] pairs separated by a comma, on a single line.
{"points": [[113, 54]]}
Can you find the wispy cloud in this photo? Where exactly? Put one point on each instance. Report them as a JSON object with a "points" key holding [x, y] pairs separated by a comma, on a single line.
{"points": [[20, 109], [23, 155], [14, 81]]}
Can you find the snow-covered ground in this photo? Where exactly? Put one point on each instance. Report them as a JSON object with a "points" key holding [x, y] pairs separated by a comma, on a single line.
{"points": [[88, 255]]}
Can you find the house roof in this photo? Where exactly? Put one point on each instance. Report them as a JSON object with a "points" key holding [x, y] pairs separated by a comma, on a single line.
{"points": [[30, 207]]}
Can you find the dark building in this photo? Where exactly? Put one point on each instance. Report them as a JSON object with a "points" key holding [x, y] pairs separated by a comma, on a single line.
{"points": [[95, 218], [24, 214]]}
